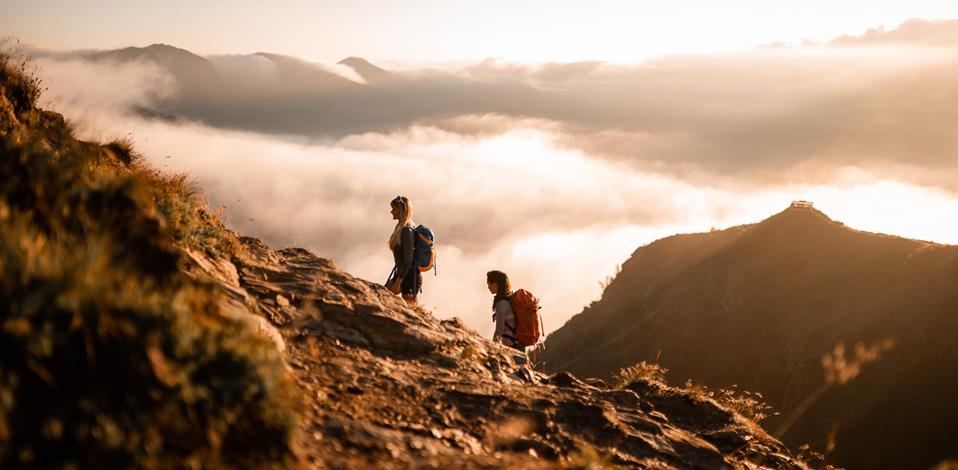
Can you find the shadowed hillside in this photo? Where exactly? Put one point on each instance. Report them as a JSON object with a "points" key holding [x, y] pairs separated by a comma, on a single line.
{"points": [[136, 331], [761, 305]]}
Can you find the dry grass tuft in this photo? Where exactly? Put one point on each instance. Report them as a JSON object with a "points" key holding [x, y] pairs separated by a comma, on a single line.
{"points": [[123, 150], [750, 405], [20, 82], [639, 371]]}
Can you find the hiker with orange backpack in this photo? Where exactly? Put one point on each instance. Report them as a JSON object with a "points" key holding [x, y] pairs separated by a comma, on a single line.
{"points": [[413, 252], [516, 314]]}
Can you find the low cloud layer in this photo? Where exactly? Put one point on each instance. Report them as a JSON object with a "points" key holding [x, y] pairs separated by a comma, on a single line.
{"points": [[93, 95], [938, 33], [881, 98], [554, 173]]}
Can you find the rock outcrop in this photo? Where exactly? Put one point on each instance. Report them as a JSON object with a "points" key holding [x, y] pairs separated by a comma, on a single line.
{"points": [[390, 386]]}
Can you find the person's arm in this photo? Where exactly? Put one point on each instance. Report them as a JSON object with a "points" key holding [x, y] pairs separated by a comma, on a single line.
{"points": [[503, 310], [408, 243]]}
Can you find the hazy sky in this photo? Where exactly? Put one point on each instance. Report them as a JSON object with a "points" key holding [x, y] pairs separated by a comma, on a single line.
{"points": [[444, 30]]}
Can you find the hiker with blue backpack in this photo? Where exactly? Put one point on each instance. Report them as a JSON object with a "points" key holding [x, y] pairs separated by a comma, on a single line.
{"points": [[413, 252]]}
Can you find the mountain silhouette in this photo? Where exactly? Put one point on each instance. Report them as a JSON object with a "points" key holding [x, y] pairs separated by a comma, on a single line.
{"points": [[284, 95], [371, 73], [761, 305], [297, 74], [195, 75]]}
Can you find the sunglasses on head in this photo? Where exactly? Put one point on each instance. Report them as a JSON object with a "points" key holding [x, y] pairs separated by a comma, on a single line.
{"points": [[398, 201]]}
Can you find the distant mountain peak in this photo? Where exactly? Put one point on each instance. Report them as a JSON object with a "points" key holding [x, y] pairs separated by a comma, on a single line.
{"points": [[354, 61], [801, 212], [163, 50], [804, 208], [160, 45], [365, 69], [193, 72], [156, 50]]}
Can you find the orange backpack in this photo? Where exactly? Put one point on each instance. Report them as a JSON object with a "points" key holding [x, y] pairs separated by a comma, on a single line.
{"points": [[525, 307]]}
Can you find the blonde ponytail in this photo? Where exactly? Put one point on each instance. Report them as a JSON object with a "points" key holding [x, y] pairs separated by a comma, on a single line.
{"points": [[405, 218]]}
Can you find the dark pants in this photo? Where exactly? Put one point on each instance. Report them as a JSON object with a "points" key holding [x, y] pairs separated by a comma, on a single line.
{"points": [[411, 284]]}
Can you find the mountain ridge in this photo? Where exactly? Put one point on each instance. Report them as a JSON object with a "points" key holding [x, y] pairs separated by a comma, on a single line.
{"points": [[139, 332], [760, 305]]}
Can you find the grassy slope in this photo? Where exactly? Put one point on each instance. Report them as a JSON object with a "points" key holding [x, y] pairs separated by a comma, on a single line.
{"points": [[110, 357]]}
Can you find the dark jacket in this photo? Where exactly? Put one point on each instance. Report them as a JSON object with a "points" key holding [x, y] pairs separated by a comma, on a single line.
{"points": [[402, 253]]}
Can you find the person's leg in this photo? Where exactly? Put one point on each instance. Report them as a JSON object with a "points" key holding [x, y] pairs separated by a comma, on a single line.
{"points": [[410, 288]]}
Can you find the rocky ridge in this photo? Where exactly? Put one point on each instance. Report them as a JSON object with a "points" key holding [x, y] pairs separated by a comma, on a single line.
{"points": [[392, 386], [179, 386]]}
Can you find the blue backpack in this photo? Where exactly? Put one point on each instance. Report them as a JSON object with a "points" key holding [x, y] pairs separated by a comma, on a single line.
{"points": [[424, 254]]}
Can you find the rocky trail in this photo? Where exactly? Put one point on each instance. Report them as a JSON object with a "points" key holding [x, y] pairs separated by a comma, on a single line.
{"points": [[388, 386]]}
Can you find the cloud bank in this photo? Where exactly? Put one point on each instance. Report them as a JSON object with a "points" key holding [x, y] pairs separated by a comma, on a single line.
{"points": [[880, 98], [554, 173]]}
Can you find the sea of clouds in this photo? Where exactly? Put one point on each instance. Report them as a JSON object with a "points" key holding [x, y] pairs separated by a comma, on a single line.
{"points": [[554, 173]]}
